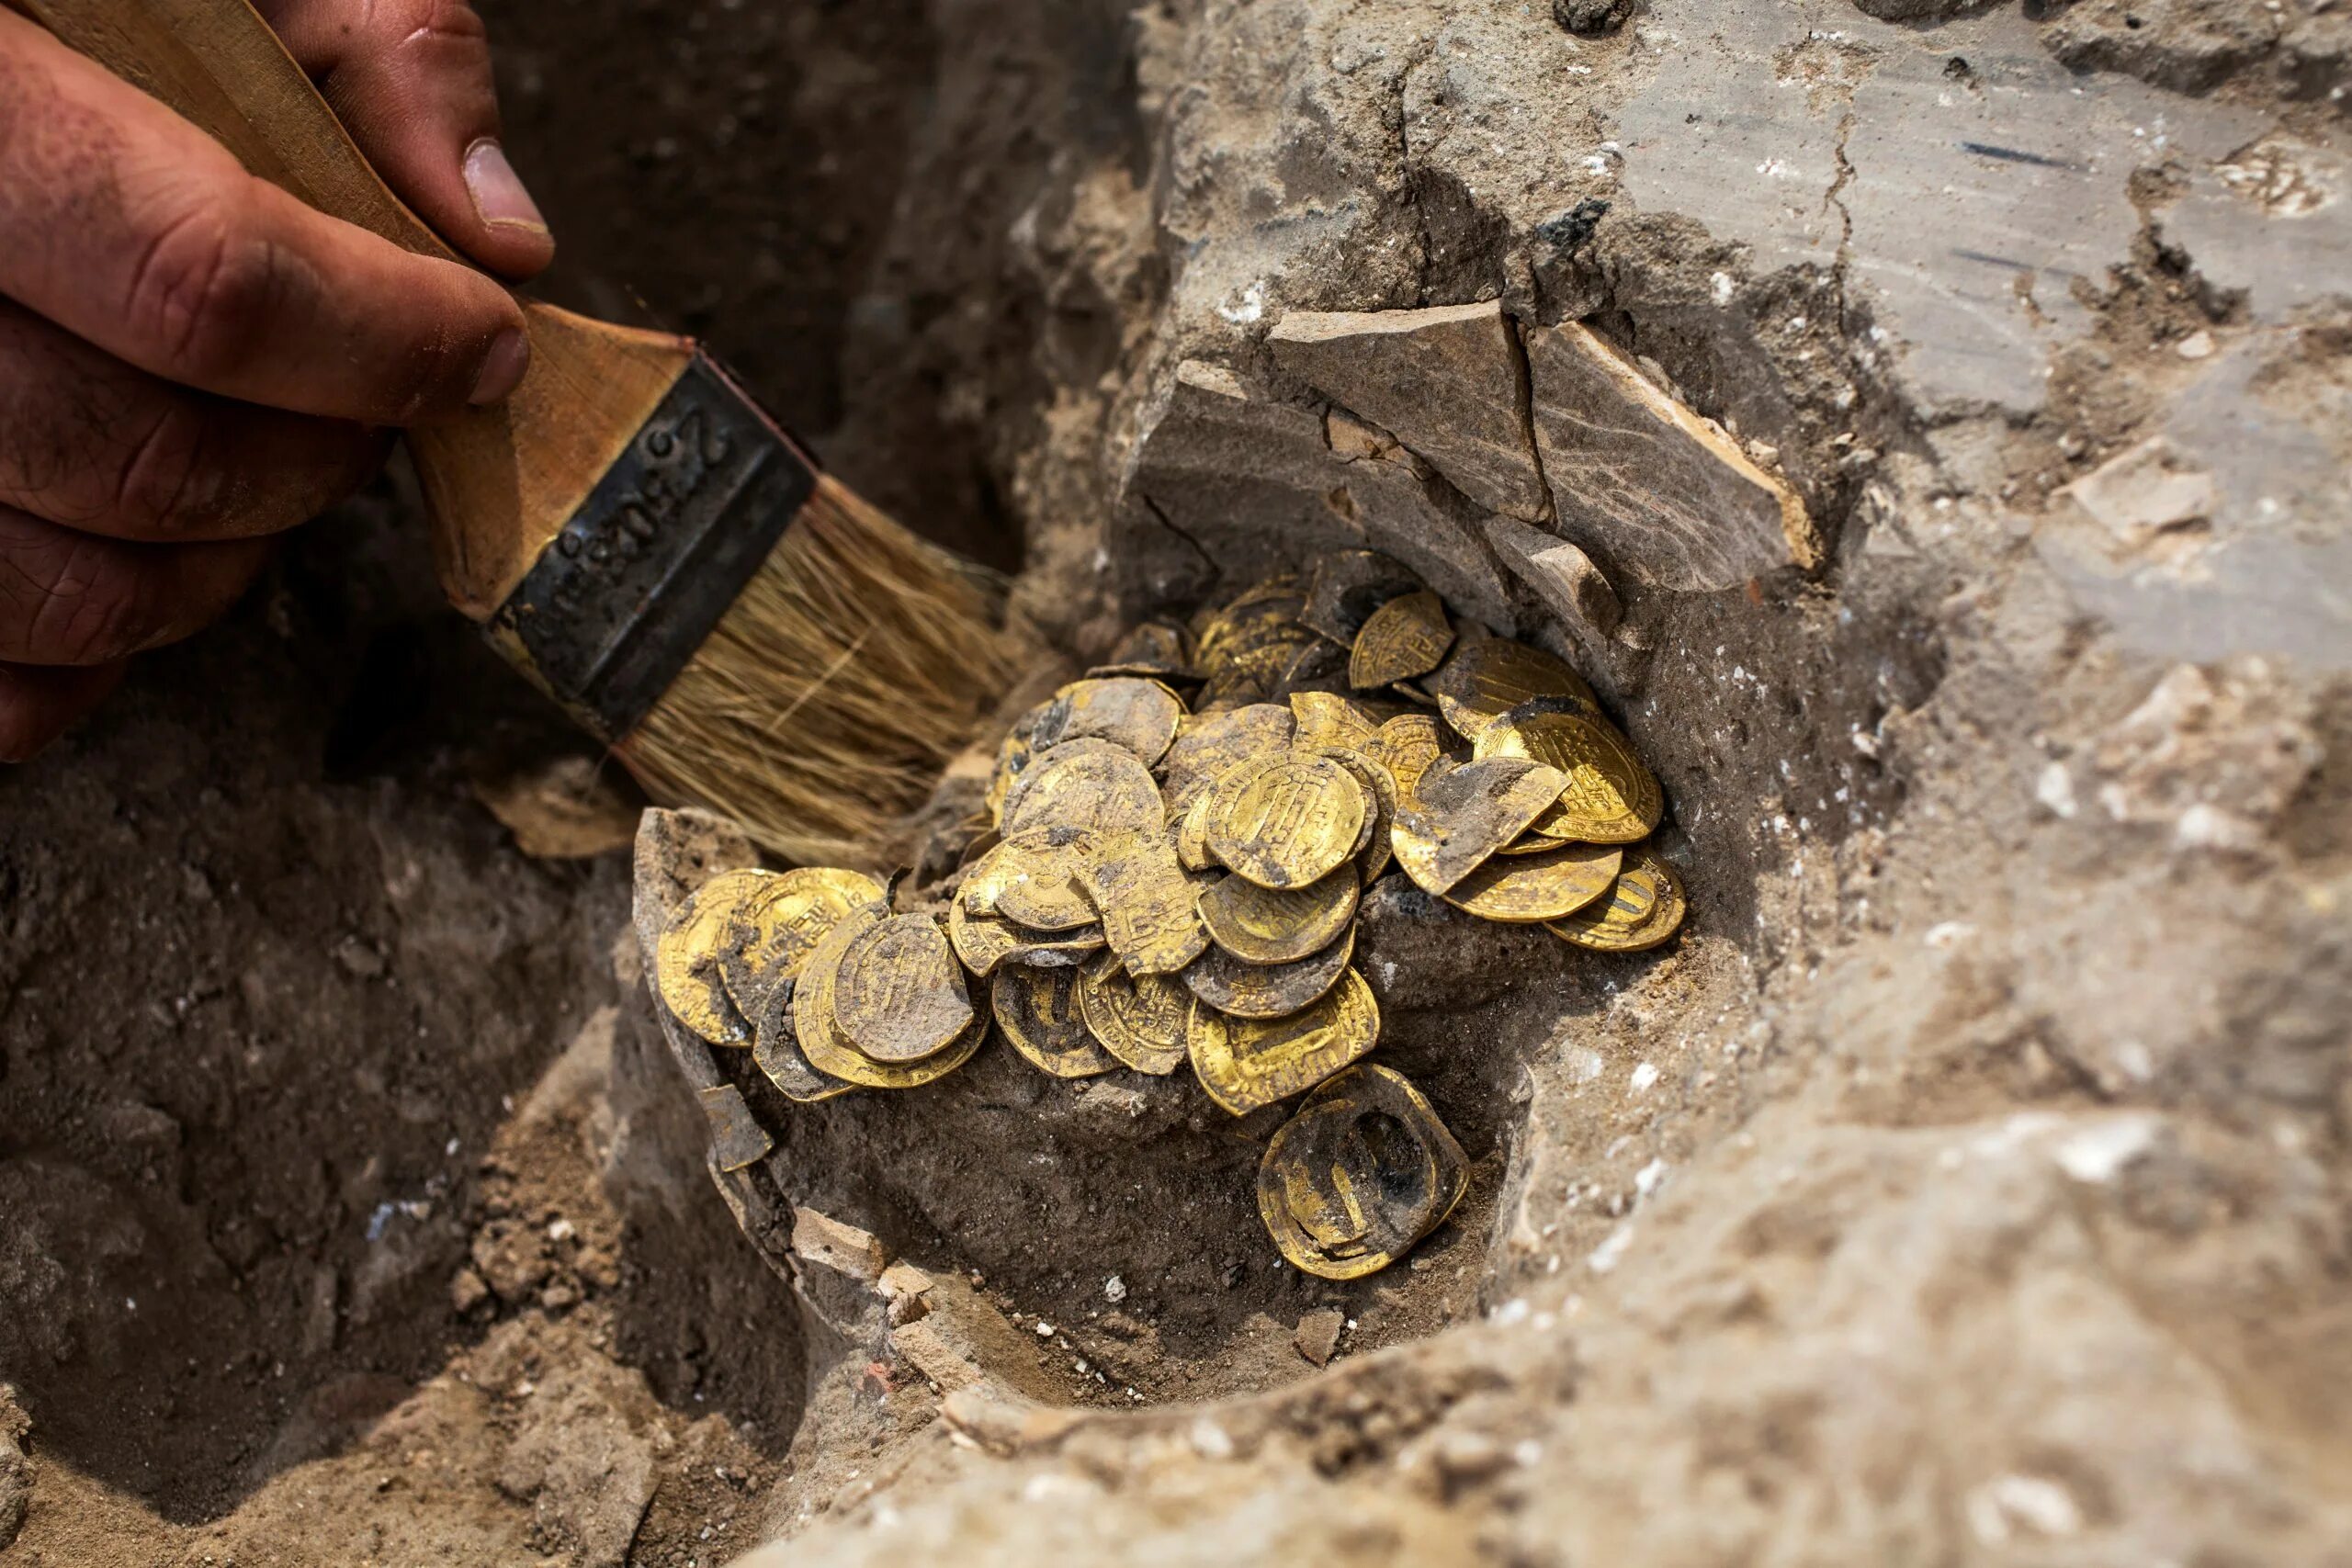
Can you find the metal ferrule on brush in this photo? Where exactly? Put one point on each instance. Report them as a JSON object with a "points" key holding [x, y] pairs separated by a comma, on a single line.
{"points": [[623, 595]]}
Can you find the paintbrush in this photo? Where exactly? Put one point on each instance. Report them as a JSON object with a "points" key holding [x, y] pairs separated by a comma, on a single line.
{"points": [[632, 531]]}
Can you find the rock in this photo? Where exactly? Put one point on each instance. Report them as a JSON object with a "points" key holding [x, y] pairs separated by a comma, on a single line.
{"points": [[467, 1291], [582, 1462], [16, 1470], [1445, 380], [2143, 490], [2217, 758], [963, 1342], [1648, 485], [1318, 1335], [1561, 575], [569, 808], [819, 1238], [907, 1289], [1590, 17]]}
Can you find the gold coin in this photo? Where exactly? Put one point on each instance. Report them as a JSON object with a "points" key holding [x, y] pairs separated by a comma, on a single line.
{"points": [[1323, 719], [1486, 676], [1362, 1172], [1380, 789], [770, 935], [1245, 1063], [1268, 925], [1039, 1013], [776, 1048], [685, 960], [1211, 745], [1052, 950], [1149, 917], [1610, 797], [981, 941], [1032, 878], [1268, 990], [1524, 889], [1139, 1020], [1643, 908], [1152, 647], [1140, 715], [817, 1028], [1084, 783], [1347, 587], [1407, 637], [899, 996], [1407, 745], [1459, 814], [1192, 834], [1286, 821]]}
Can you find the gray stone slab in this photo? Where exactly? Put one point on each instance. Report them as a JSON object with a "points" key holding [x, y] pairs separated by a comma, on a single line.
{"points": [[1445, 380], [1650, 487]]}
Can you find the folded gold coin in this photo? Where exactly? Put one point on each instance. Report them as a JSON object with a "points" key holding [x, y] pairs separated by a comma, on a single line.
{"points": [[1141, 1020], [1246, 1063], [1460, 814], [1267, 925], [1039, 1013], [1642, 909], [1362, 1172], [1609, 797]]}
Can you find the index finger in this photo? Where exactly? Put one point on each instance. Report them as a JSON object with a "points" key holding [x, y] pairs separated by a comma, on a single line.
{"points": [[132, 228]]}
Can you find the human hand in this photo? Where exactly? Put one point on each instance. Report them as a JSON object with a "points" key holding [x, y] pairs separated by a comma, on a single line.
{"points": [[191, 360]]}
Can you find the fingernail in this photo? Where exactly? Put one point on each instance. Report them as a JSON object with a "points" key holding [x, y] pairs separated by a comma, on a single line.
{"points": [[498, 192], [501, 367]]}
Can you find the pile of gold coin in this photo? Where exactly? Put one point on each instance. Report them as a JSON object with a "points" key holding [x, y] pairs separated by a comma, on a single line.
{"points": [[1167, 873]]}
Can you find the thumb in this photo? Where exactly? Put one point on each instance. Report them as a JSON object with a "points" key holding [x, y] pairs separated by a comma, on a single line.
{"points": [[411, 80]]}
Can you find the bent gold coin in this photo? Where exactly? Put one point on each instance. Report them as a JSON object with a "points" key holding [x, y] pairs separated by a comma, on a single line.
{"points": [[1088, 783], [1151, 648], [816, 1026], [1039, 1013], [1286, 821], [1268, 990], [1138, 714], [1141, 1020], [1362, 1172], [1524, 889], [1643, 908], [775, 1049], [899, 995], [1211, 745], [1324, 719], [1150, 914], [1610, 797], [1486, 676], [1461, 813], [686, 973], [1032, 878], [1269, 925], [1347, 587], [770, 935], [1407, 637], [1246, 1063]]}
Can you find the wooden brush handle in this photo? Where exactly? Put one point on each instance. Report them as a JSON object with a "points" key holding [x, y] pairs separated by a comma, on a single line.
{"points": [[501, 481]]}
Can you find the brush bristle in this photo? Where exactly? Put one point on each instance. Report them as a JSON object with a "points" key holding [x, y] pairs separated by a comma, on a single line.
{"points": [[826, 703]]}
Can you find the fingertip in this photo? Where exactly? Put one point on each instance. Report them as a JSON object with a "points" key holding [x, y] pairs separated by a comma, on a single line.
{"points": [[502, 368]]}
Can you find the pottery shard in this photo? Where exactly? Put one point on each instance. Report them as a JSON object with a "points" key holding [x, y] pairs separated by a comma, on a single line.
{"points": [[1656, 489], [1445, 380], [1561, 575], [820, 1238]]}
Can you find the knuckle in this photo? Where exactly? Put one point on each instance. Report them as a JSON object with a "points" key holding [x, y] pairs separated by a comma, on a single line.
{"points": [[406, 21], [158, 487], [202, 292]]}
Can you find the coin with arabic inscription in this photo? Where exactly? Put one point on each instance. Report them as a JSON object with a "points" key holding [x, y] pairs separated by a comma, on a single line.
{"points": [[1610, 797], [686, 973], [1138, 714], [1034, 878], [1380, 789], [1407, 637], [1279, 925], [1524, 889], [771, 934], [1643, 908], [1039, 1013], [1245, 1063], [1407, 745], [1460, 814], [817, 1025], [1086, 784], [1486, 676], [1288, 820], [1325, 718], [1141, 1020], [1268, 990], [1361, 1174], [899, 995], [1149, 907], [1211, 745]]}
